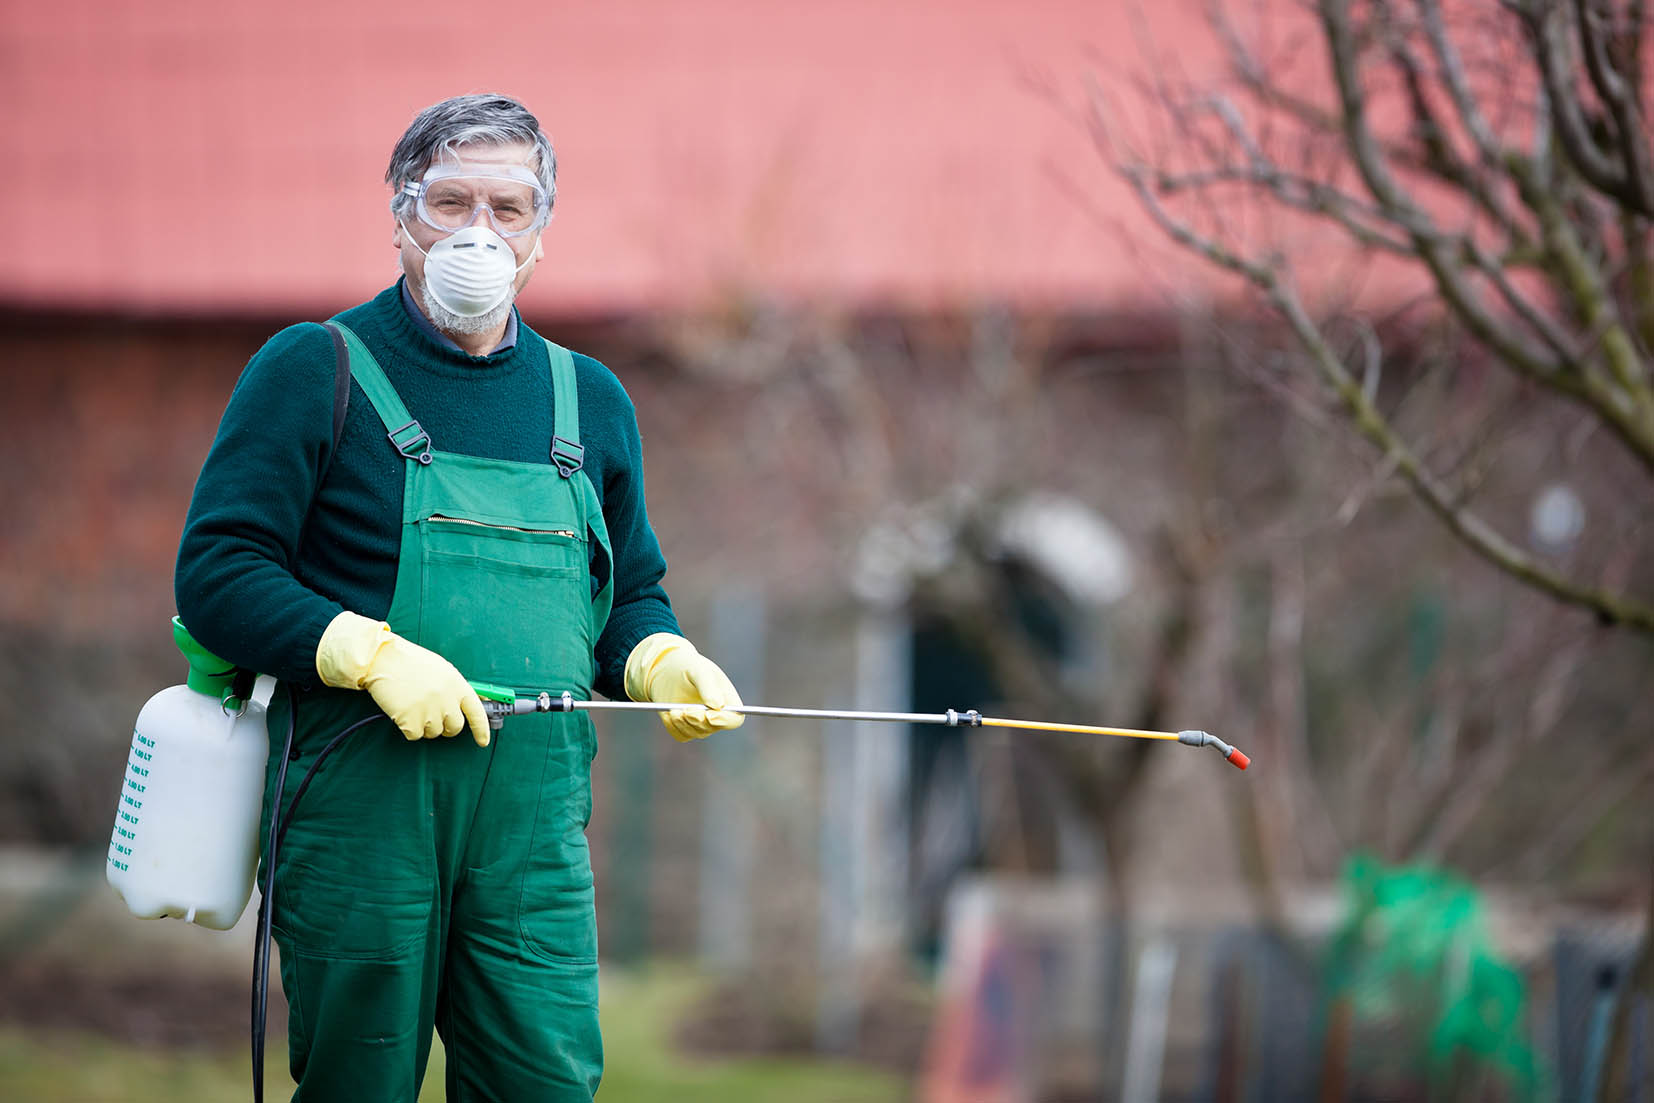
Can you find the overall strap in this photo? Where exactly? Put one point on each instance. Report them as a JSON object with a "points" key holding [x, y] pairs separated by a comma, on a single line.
{"points": [[341, 384], [566, 450], [404, 432]]}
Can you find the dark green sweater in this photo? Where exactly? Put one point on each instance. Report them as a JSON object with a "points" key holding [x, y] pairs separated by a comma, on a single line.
{"points": [[284, 532]]}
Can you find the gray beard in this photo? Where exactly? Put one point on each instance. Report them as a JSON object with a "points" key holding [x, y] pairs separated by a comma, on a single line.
{"points": [[447, 321]]}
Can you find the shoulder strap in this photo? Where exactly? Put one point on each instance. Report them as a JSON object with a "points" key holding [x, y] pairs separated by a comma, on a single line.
{"points": [[406, 434], [341, 384], [566, 451]]}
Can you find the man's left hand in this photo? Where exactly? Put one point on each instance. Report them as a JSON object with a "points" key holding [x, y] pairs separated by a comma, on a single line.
{"points": [[666, 668]]}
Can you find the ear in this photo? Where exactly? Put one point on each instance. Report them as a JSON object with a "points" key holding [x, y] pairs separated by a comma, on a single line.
{"points": [[396, 233]]}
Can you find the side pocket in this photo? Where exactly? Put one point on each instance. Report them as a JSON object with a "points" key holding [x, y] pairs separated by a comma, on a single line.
{"points": [[583, 794], [298, 1027], [557, 913], [356, 867], [601, 566]]}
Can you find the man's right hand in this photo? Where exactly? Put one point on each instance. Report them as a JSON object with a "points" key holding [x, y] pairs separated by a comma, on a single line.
{"points": [[422, 693]]}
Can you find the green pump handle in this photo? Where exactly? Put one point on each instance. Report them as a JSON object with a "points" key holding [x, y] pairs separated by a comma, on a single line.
{"points": [[491, 692], [499, 702], [208, 673]]}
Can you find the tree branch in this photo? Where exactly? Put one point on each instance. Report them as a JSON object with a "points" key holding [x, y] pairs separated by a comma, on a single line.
{"points": [[1356, 218], [1610, 88], [1451, 67], [1626, 401], [1250, 72], [1552, 686], [1567, 349], [1630, 411], [1640, 279], [1620, 96], [1548, 37], [1436, 139], [1298, 193], [1604, 785], [1436, 250], [1609, 607]]}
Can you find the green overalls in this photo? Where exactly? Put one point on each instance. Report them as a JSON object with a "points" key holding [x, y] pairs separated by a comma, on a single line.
{"points": [[436, 883]]}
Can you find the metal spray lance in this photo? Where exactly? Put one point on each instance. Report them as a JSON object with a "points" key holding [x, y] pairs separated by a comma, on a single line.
{"points": [[500, 702]]}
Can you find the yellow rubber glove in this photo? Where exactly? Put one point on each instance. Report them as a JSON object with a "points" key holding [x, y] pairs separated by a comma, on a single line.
{"points": [[665, 668], [418, 689]]}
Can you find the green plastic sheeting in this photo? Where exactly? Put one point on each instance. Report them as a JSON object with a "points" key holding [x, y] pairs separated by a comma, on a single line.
{"points": [[1424, 991]]}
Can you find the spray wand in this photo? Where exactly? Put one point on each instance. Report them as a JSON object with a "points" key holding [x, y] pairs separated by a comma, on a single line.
{"points": [[500, 702]]}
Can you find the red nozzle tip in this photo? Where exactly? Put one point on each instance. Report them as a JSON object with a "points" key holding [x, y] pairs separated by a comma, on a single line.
{"points": [[1240, 760]]}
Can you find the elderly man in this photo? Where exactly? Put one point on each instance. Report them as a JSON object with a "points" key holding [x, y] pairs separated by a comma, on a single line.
{"points": [[426, 491]]}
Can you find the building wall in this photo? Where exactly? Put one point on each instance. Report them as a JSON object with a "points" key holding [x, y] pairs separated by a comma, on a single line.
{"points": [[201, 156]]}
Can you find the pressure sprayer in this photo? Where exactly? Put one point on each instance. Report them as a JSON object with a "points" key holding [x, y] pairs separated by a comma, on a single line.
{"points": [[186, 842], [500, 702]]}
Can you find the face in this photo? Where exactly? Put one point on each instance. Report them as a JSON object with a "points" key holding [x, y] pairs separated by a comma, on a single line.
{"points": [[453, 201]]}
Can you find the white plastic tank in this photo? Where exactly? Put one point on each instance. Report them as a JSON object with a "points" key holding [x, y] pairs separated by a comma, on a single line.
{"points": [[185, 841]]}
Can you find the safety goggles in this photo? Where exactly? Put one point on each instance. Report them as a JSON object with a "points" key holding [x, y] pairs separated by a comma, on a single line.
{"points": [[452, 196]]}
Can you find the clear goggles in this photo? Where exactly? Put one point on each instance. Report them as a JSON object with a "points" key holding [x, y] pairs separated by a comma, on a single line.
{"points": [[453, 196]]}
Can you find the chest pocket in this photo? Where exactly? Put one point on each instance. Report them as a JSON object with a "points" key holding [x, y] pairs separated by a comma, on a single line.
{"points": [[507, 604]]}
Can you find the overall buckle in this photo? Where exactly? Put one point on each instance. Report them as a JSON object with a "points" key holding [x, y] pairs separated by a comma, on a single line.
{"points": [[412, 442], [567, 455]]}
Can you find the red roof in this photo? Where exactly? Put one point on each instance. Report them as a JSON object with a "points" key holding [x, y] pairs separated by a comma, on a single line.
{"points": [[196, 155]]}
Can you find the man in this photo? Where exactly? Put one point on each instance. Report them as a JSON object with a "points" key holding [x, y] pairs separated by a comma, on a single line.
{"points": [[476, 512]]}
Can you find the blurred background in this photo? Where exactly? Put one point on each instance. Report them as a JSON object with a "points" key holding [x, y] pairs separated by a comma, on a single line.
{"points": [[1274, 369]]}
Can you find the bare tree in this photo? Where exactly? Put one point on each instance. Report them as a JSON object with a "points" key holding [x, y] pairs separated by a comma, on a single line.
{"points": [[1496, 157], [1493, 160]]}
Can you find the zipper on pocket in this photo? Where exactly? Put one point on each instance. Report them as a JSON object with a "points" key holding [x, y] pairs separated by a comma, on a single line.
{"points": [[445, 519]]}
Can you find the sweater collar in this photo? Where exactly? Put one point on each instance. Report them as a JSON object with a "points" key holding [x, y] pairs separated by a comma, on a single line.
{"points": [[417, 316]]}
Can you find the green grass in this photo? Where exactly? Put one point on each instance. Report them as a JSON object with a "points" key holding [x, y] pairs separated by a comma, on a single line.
{"points": [[87, 1069], [639, 1011]]}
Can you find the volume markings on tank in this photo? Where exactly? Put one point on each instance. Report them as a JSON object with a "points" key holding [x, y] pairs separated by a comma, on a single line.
{"points": [[133, 771]]}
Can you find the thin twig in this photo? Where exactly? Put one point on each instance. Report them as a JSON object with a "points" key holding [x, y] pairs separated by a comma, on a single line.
{"points": [[1473, 530]]}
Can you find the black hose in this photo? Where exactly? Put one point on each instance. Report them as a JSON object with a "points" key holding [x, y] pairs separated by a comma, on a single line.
{"points": [[261, 940], [278, 830]]}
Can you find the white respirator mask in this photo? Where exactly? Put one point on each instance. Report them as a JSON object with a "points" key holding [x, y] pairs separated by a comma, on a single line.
{"points": [[471, 271]]}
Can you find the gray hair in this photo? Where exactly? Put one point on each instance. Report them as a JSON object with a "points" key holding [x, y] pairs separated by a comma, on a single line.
{"points": [[473, 120]]}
